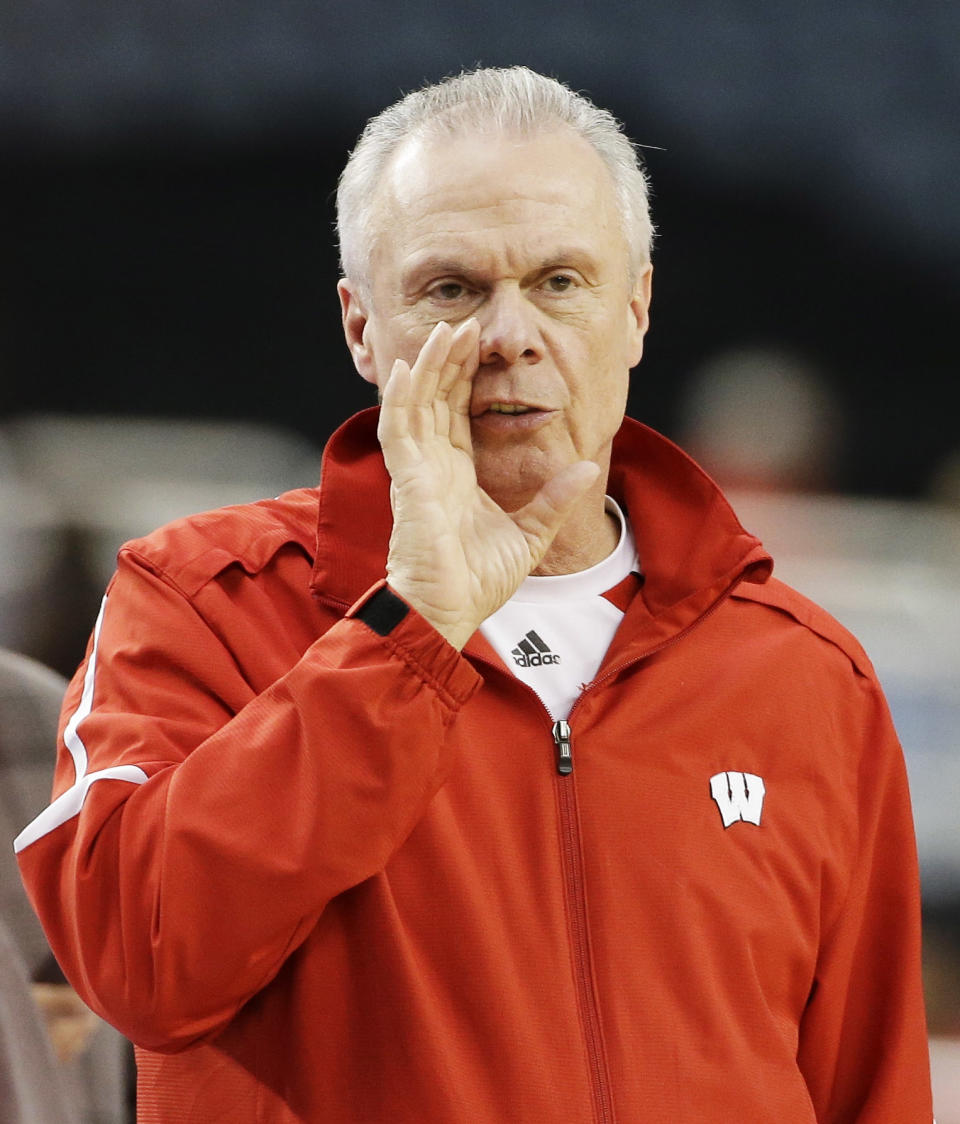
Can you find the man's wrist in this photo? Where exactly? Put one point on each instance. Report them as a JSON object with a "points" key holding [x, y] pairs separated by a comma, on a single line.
{"points": [[382, 608], [451, 626]]}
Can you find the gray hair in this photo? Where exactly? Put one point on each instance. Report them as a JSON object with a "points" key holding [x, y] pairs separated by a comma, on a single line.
{"points": [[510, 100]]}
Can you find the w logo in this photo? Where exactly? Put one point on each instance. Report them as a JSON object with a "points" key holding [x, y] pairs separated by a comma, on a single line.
{"points": [[739, 796]]}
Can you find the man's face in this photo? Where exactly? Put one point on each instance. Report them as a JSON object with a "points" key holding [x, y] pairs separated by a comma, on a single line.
{"points": [[523, 235]]}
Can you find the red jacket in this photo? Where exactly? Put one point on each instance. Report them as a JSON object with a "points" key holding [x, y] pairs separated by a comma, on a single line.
{"points": [[318, 874]]}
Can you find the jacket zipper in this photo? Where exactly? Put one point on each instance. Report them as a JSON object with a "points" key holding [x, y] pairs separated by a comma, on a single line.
{"points": [[572, 866], [561, 738]]}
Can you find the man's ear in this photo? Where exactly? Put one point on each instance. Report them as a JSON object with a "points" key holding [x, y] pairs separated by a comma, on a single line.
{"points": [[639, 314], [356, 328]]}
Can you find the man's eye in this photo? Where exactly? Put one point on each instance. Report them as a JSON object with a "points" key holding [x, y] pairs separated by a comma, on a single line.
{"points": [[560, 283], [448, 291]]}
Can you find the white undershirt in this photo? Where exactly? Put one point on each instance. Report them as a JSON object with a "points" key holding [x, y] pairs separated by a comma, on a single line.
{"points": [[554, 631]]}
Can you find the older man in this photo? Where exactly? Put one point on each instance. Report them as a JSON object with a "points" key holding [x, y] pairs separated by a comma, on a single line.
{"points": [[495, 780]]}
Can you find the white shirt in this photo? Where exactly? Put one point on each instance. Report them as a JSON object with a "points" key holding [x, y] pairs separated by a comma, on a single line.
{"points": [[554, 631]]}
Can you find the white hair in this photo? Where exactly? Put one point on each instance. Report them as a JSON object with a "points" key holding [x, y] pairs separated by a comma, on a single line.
{"points": [[512, 100]]}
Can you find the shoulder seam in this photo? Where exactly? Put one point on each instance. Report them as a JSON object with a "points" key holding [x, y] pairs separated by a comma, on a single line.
{"points": [[187, 557], [780, 597]]}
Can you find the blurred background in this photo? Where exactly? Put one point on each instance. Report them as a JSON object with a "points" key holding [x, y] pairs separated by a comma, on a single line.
{"points": [[170, 337]]}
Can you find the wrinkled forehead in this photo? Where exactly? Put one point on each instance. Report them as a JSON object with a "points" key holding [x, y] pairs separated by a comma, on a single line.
{"points": [[442, 185]]}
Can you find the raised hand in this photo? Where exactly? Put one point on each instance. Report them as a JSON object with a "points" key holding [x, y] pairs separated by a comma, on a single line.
{"points": [[455, 555]]}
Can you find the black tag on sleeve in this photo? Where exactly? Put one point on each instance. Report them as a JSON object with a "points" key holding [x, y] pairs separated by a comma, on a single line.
{"points": [[383, 611]]}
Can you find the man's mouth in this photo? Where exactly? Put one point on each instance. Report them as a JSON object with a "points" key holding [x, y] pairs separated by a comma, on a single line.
{"points": [[508, 408], [504, 416]]}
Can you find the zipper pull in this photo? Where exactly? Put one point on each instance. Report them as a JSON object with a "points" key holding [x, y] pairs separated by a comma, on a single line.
{"points": [[561, 736]]}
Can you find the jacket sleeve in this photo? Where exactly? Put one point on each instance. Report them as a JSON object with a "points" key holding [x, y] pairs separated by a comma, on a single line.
{"points": [[863, 1042], [194, 842]]}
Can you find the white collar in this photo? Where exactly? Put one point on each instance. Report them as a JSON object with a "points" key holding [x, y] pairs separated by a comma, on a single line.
{"points": [[591, 582]]}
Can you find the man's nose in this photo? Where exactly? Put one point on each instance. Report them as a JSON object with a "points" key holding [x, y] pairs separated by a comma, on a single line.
{"points": [[508, 329]]}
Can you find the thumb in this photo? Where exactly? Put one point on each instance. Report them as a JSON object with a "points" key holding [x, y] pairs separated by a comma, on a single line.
{"points": [[545, 514]]}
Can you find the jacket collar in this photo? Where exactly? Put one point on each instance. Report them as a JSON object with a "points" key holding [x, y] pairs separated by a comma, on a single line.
{"points": [[354, 519], [692, 547]]}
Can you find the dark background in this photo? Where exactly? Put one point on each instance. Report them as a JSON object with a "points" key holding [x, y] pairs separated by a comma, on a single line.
{"points": [[168, 171]]}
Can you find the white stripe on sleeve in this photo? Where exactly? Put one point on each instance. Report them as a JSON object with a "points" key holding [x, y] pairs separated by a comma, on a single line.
{"points": [[69, 803]]}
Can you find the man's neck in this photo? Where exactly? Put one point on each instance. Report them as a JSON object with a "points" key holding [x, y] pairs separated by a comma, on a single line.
{"points": [[584, 540]]}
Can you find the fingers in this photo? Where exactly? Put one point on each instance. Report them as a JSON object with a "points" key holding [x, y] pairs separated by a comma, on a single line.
{"points": [[456, 378], [394, 421], [456, 382], [417, 401], [429, 365]]}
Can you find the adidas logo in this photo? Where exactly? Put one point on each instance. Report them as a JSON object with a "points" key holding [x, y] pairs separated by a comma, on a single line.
{"points": [[532, 652]]}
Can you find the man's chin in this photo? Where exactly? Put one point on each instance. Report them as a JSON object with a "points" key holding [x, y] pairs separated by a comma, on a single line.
{"points": [[512, 479]]}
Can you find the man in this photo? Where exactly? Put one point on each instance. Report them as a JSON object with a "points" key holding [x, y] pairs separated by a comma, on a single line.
{"points": [[495, 780]]}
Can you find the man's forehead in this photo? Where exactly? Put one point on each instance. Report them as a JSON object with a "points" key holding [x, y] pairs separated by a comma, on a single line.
{"points": [[448, 171], [495, 203]]}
